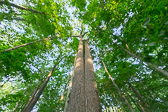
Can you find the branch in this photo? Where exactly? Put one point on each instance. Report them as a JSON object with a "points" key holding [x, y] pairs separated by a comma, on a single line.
{"points": [[75, 36], [20, 7], [16, 47], [18, 19], [84, 34], [119, 91], [81, 29]]}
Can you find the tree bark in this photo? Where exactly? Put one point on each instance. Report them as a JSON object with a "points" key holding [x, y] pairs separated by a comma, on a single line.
{"points": [[139, 97], [10, 49], [38, 94], [76, 101], [121, 94], [148, 63], [91, 93], [20, 7]]}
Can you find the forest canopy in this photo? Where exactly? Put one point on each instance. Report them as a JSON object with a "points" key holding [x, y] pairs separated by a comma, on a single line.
{"points": [[128, 42]]}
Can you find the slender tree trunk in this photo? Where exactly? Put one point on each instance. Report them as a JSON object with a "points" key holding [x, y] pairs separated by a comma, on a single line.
{"points": [[91, 92], [118, 102], [140, 105], [68, 94], [124, 98], [10, 49], [139, 97], [136, 103], [19, 7], [31, 98], [76, 101], [148, 63], [20, 101], [38, 94], [62, 96]]}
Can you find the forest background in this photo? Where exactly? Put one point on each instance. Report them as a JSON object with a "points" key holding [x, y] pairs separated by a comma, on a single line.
{"points": [[129, 36]]}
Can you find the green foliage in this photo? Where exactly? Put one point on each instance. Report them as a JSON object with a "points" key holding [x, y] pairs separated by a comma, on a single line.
{"points": [[140, 26]]}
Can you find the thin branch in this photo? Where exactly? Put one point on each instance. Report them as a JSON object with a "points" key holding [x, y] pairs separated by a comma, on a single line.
{"points": [[75, 36], [18, 19], [81, 29], [84, 34], [20, 7], [148, 63], [10, 49]]}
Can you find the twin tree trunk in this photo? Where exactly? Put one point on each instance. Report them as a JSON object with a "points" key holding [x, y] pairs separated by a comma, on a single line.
{"points": [[84, 94]]}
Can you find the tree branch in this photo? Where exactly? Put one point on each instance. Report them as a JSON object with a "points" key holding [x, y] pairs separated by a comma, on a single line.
{"points": [[20, 7]]}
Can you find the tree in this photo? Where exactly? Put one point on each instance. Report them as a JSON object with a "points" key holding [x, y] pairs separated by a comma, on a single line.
{"points": [[38, 93], [126, 101], [84, 94], [130, 36]]}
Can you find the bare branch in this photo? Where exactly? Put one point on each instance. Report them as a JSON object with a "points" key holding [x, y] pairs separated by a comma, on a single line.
{"points": [[75, 36], [20, 7]]}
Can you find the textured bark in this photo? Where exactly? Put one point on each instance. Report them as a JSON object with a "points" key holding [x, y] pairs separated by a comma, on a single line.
{"points": [[38, 94], [121, 94], [19, 7], [91, 93], [10, 49], [70, 87], [139, 97], [76, 101], [148, 63]]}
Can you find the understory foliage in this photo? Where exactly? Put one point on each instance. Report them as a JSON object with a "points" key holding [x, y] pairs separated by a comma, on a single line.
{"points": [[138, 26]]}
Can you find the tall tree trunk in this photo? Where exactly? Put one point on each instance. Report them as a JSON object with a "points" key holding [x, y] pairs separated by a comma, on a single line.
{"points": [[148, 63], [10, 49], [77, 95], [121, 94], [139, 97], [19, 7], [91, 92], [30, 106]]}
